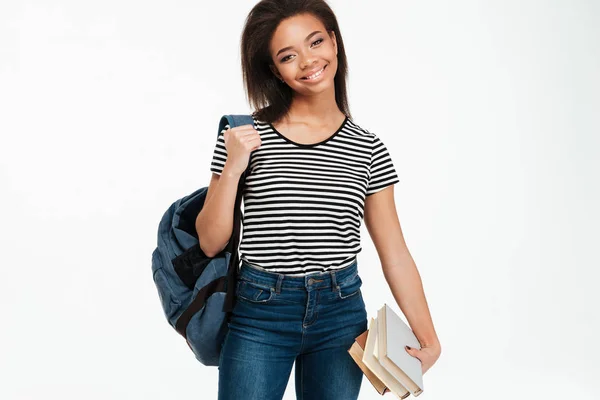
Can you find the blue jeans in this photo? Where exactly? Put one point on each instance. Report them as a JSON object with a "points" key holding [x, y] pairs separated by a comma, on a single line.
{"points": [[311, 320]]}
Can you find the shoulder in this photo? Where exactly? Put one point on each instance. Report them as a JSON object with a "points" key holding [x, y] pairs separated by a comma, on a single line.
{"points": [[259, 123], [360, 132], [377, 146], [358, 129], [373, 140]]}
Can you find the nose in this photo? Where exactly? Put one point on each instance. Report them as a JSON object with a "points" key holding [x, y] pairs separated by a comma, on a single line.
{"points": [[308, 61]]}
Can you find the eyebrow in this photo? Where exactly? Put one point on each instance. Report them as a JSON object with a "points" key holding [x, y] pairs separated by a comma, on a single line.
{"points": [[291, 47]]}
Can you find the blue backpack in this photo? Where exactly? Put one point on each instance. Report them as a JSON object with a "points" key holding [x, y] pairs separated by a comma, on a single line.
{"points": [[197, 292]]}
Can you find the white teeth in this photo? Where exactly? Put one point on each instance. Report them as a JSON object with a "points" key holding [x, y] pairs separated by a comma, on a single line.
{"points": [[316, 74]]}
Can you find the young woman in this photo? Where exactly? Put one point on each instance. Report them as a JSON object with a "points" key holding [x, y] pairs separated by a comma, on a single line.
{"points": [[313, 175]]}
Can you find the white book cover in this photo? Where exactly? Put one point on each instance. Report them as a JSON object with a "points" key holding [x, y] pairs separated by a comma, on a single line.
{"points": [[370, 360], [398, 335]]}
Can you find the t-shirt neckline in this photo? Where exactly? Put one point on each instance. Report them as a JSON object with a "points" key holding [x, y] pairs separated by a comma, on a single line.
{"points": [[309, 144]]}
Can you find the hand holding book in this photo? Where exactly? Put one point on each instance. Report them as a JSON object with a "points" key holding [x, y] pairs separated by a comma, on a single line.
{"points": [[381, 353], [428, 355]]}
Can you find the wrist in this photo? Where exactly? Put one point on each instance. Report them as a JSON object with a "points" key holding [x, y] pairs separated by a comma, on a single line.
{"points": [[228, 172], [432, 345]]}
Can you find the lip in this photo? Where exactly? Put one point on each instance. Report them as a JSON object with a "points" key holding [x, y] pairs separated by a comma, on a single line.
{"points": [[324, 68]]}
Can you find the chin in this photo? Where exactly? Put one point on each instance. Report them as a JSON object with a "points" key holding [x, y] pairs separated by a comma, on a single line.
{"points": [[310, 91]]}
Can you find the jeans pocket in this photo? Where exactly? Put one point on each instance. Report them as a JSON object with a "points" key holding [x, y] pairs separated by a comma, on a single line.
{"points": [[253, 292], [349, 287]]}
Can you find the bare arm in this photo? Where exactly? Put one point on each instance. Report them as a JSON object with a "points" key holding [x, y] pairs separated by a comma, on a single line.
{"points": [[214, 223], [401, 273]]}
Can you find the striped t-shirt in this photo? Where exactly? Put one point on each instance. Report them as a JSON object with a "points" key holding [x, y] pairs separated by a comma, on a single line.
{"points": [[304, 203]]}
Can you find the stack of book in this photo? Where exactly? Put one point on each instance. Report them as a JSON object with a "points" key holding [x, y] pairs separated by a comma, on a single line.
{"points": [[381, 355]]}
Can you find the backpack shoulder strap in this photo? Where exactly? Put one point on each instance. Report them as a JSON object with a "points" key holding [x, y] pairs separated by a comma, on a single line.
{"points": [[234, 120], [232, 245]]}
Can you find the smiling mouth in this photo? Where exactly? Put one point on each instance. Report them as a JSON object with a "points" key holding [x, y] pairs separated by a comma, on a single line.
{"points": [[316, 75]]}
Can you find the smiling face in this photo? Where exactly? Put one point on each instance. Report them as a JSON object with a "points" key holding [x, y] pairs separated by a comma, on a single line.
{"points": [[304, 54]]}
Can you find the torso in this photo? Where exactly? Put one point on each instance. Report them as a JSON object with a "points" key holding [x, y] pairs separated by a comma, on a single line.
{"points": [[303, 204]]}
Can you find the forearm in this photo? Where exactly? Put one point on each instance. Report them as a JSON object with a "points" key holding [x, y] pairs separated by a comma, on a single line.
{"points": [[406, 286], [214, 223]]}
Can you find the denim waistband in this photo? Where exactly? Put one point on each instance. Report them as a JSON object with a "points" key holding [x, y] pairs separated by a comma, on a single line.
{"points": [[313, 280]]}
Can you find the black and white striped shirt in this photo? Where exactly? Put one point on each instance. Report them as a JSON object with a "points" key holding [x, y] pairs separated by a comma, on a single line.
{"points": [[304, 203]]}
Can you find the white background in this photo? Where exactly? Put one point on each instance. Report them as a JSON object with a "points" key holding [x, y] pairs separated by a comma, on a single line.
{"points": [[490, 110]]}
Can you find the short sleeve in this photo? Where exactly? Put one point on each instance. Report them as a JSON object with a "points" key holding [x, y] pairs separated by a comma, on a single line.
{"points": [[382, 171], [219, 154]]}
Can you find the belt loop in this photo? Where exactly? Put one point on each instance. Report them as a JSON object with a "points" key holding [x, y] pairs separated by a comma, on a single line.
{"points": [[278, 284], [333, 282]]}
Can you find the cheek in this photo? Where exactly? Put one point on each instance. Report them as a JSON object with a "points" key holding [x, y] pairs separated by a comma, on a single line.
{"points": [[289, 69]]}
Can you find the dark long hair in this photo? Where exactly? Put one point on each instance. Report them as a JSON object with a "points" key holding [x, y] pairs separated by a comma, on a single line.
{"points": [[270, 97]]}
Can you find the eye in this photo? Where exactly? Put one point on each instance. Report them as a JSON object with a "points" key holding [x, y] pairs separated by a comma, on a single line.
{"points": [[318, 41]]}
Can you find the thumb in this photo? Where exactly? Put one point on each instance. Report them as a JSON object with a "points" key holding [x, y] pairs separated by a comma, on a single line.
{"points": [[413, 352]]}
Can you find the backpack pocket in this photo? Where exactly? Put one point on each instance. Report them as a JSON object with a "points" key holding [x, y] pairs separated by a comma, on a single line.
{"points": [[166, 294]]}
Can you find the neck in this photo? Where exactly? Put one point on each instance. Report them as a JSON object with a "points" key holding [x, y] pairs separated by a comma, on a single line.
{"points": [[319, 109]]}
